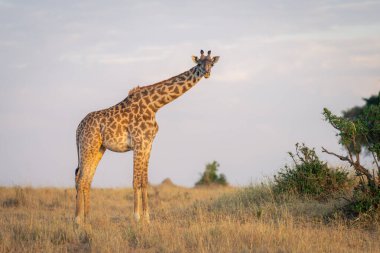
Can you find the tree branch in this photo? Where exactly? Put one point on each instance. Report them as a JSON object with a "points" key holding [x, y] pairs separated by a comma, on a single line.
{"points": [[343, 158], [356, 165], [373, 155]]}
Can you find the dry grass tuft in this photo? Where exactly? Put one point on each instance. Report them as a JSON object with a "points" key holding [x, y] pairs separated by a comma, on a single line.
{"points": [[222, 219]]}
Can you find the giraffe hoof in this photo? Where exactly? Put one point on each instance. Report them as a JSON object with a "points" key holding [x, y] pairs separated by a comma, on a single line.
{"points": [[78, 222], [136, 216], [147, 218]]}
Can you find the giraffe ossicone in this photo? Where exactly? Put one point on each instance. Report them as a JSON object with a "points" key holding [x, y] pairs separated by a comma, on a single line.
{"points": [[129, 125]]}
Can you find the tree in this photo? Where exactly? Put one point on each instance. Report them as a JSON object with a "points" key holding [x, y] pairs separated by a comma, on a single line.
{"points": [[210, 175], [369, 115], [363, 130], [356, 111]]}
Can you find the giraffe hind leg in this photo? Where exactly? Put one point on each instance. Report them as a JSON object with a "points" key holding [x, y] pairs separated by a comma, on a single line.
{"points": [[83, 183], [79, 198], [144, 190], [96, 160], [79, 214]]}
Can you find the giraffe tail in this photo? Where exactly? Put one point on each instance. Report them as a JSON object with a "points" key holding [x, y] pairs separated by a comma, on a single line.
{"points": [[76, 175], [77, 169]]}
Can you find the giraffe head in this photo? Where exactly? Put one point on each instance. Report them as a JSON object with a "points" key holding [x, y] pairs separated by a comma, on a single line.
{"points": [[205, 63]]}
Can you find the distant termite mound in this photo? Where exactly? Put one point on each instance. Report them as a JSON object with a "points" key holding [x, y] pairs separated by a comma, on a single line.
{"points": [[167, 182]]}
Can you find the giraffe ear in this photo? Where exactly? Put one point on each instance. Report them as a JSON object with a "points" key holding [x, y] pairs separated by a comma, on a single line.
{"points": [[215, 59], [195, 59]]}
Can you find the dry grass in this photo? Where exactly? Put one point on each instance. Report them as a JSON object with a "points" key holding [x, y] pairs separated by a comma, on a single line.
{"points": [[183, 220]]}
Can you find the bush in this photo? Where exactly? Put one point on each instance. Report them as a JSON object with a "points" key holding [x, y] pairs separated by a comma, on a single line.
{"points": [[210, 176], [365, 200], [309, 176]]}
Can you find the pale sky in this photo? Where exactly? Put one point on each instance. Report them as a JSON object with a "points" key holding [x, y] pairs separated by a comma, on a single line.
{"points": [[280, 63]]}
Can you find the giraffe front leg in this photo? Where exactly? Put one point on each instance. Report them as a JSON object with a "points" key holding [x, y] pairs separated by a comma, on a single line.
{"points": [[140, 181], [137, 197], [137, 169]]}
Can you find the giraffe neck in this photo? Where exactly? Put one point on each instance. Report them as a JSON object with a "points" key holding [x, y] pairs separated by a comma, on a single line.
{"points": [[159, 94]]}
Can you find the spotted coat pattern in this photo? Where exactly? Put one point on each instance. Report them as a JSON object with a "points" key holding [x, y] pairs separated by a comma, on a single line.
{"points": [[129, 125]]}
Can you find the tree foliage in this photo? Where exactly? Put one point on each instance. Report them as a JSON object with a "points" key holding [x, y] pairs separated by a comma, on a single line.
{"points": [[369, 116], [360, 129], [210, 175]]}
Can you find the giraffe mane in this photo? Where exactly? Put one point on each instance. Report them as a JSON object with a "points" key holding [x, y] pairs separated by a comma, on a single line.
{"points": [[133, 90], [151, 86]]}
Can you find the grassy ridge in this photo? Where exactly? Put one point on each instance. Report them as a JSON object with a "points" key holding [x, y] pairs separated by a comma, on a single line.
{"points": [[220, 219]]}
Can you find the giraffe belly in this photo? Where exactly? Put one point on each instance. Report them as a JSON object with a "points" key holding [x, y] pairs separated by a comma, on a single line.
{"points": [[118, 144]]}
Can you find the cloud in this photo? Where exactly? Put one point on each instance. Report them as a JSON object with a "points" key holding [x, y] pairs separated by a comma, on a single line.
{"points": [[106, 59], [8, 43], [367, 61], [6, 4], [100, 54], [235, 76], [19, 65], [351, 5]]}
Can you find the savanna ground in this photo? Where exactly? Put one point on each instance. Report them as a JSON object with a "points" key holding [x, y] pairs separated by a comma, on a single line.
{"points": [[213, 219]]}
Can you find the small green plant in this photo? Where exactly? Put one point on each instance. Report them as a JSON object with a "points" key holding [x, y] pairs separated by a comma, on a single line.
{"points": [[309, 176], [210, 176]]}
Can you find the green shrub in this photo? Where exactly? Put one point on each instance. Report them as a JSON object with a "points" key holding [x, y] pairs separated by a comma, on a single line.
{"points": [[210, 176], [365, 201], [309, 176]]}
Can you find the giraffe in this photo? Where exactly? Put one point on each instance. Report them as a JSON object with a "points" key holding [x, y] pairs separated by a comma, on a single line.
{"points": [[129, 125]]}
